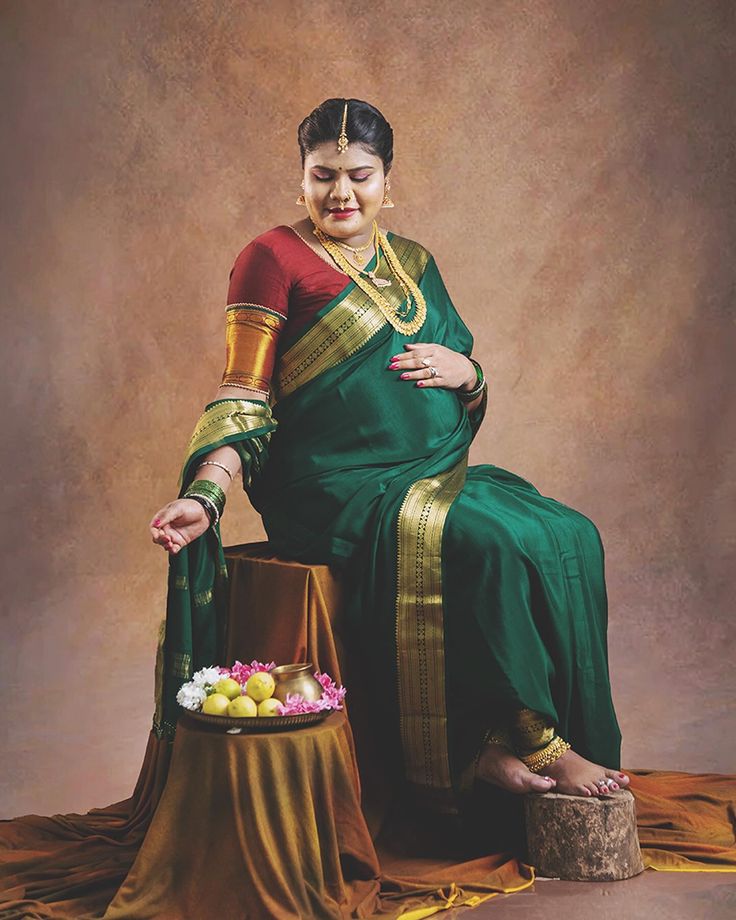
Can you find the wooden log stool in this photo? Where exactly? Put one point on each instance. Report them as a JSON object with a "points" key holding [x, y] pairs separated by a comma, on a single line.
{"points": [[583, 839]]}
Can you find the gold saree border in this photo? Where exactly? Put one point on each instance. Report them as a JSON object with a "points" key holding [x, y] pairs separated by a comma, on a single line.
{"points": [[224, 419], [345, 328], [420, 640]]}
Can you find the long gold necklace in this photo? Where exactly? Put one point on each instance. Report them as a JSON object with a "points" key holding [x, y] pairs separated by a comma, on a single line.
{"points": [[410, 289]]}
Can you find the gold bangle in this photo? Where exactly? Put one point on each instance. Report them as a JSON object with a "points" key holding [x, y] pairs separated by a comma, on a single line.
{"points": [[537, 761], [242, 386]]}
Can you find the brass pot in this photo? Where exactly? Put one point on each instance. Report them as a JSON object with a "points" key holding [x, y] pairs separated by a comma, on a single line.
{"points": [[296, 678]]}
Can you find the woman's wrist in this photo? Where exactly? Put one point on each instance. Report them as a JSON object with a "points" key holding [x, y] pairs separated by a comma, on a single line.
{"points": [[470, 393], [209, 507], [208, 494], [472, 379]]}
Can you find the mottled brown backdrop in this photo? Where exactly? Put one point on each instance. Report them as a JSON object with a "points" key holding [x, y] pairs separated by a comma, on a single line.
{"points": [[570, 163]]}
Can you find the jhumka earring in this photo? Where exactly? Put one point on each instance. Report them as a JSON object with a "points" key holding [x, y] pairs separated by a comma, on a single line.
{"points": [[301, 199], [387, 203]]}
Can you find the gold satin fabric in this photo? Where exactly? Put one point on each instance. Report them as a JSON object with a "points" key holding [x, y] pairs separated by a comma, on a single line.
{"points": [[64, 866], [256, 826], [251, 339], [420, 640], [349, 325]]}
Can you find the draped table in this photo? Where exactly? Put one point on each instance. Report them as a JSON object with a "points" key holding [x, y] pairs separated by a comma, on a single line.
{"points": [[256, 825]]}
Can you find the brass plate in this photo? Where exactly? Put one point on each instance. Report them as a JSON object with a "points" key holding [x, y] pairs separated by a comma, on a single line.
{"points": [[254, 725]]}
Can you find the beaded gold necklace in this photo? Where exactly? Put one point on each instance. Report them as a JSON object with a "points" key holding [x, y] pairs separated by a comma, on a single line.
{"points": [[410, 289]]}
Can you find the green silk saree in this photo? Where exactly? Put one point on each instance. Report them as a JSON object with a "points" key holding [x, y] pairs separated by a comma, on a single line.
{"points": [[470, 591]]}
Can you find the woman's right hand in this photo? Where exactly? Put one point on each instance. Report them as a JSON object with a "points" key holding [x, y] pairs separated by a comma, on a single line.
{"points": [[178, 524]]}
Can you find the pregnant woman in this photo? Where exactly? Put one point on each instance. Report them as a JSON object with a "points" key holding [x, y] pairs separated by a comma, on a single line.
{"points": [[348, 404]]}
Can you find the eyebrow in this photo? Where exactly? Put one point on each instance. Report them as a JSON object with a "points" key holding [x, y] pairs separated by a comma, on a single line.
{"points": [[352, 168]]}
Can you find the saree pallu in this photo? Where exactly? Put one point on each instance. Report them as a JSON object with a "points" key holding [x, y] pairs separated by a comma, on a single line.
{"points": [[470, 591], [193, 634]]}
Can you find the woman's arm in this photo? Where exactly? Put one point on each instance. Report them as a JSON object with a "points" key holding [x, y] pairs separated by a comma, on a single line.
{"points": [[228, 456], [258, 302]]}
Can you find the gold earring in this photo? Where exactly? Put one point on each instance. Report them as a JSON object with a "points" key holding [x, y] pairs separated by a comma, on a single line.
{"points": [[301, 199], [387, 203]]}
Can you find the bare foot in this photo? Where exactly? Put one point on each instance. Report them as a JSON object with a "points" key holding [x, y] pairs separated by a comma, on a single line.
{"points": [[577, 776], [500, 766]]}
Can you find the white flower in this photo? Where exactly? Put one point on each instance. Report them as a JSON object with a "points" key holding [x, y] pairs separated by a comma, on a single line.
{"points": [[191, 696], [206, 676]]}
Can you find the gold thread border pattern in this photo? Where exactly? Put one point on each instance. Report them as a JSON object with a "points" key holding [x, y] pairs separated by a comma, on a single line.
{"points": [[348, 326], [258, 308], [226, 418], [420, 643]]}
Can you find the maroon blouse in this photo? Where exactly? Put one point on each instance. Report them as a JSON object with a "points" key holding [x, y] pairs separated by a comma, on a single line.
{"points": [[279, 270]]}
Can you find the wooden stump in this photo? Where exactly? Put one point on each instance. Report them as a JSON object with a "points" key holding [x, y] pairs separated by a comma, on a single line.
{"points": [[583, 839]]}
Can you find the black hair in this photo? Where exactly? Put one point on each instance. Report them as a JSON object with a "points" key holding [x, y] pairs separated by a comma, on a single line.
{"points": [[365, 125]]}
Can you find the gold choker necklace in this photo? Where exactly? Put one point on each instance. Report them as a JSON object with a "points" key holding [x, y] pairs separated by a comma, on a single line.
{"points": [[357, 250]]}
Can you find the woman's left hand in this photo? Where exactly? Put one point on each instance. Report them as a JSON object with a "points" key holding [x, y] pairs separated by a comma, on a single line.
{"points": [[454, 370]]}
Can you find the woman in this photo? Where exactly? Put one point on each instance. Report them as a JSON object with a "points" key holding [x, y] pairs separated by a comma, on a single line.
{"points": [[349, 402]]}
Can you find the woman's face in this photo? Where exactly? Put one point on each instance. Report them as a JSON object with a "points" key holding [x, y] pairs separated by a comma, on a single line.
{"points": [[351, 181]]}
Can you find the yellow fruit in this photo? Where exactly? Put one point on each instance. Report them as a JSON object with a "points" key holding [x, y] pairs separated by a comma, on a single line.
{"points": [[228, 686], [269, 707], [242, 707], [260, 686], [216, 704]]}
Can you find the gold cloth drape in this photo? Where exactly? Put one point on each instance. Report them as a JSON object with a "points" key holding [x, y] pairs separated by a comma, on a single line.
{"points": [[71, 865], [256, 826]]}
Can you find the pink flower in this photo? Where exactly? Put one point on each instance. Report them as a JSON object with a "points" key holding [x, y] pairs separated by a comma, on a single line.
{"points": [[295, 704], [241, 672], [332, 697]]}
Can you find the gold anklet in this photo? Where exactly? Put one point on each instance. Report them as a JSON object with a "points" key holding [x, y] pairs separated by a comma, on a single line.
{"points": [[537, 761]]}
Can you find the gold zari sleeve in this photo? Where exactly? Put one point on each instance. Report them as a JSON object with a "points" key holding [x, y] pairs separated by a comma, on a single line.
{"points": [[251, 337]]}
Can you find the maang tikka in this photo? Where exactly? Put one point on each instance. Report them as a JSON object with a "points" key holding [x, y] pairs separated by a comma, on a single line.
{"points": [[342, 141]]}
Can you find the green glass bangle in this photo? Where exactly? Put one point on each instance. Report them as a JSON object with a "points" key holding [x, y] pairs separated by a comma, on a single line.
{"points": [[206, 489], [209, 488], [470, 395]]}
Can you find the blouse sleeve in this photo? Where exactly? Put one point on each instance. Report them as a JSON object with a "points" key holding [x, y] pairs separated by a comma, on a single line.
{"points": [[258, 304]]}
